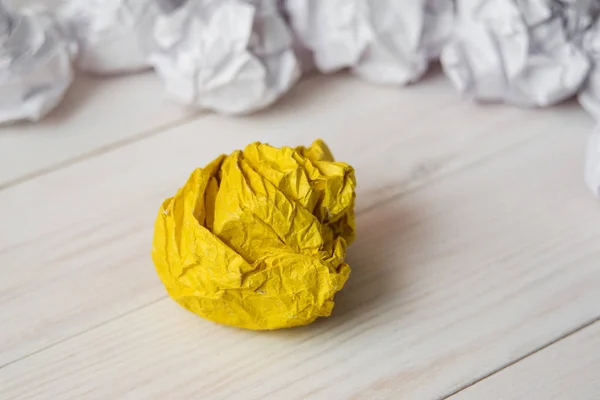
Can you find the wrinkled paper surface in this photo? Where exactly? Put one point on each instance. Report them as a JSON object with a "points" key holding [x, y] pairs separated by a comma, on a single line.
{"points": [[587, 35], [257, 239], [108, 33], [517, 51], [35, 65], [384, 41], [230, 56], [589, 97]]}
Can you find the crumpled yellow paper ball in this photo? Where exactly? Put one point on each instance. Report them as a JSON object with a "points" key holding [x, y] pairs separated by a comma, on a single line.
{"points": [[257, 239]]}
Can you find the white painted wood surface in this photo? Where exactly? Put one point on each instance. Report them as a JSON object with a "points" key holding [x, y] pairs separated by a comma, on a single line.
{"points": [[478, 244], [96, 115], [566, 370]]}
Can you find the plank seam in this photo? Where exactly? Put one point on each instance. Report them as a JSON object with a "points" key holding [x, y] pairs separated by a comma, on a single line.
{"points": [[101, 150], [83, 332], [549, 344], [365, 210]]}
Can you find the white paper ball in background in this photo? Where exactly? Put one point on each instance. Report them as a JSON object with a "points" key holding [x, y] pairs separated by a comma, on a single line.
{"points": [[517, 52], [385, 41], [589, 96], [107, 33], [35, 65], [230, 56], [585, 20]]}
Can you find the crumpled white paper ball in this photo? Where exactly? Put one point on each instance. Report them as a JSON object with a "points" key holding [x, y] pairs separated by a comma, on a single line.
{"points": [[586, 34], [589, 97], [230, 56], [515, 51], [107, 33], [35, 65], [384, 41], [578, 16]]}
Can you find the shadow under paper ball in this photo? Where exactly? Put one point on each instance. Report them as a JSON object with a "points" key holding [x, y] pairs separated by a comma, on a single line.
{"points": [[376, 258], [378, 263], [76, 97], [83, 88]]}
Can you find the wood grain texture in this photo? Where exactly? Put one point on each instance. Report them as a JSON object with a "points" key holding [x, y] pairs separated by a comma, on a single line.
{"points": [[97, 113], [565, 370], [477, 243], [82, 219]]}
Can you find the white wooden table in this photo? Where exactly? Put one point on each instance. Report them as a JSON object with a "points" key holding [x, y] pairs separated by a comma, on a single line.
{"points": [[476, 272]]}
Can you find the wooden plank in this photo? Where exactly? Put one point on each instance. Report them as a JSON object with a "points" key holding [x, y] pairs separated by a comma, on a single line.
{"points": [[450, 281], [565, 370], [67, 229], [397, 140], [97, 113]]}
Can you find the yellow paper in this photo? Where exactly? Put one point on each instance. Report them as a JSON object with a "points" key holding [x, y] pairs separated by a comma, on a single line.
{"points": [[257, 239]]}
